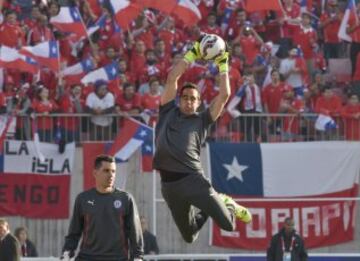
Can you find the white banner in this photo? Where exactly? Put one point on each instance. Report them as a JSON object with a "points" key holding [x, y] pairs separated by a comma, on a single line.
{"points": [[23, 157]]}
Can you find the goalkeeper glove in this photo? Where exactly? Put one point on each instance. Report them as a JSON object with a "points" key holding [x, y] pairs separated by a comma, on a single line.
{"points": [[222, 62], [194, 53], [67, 255]]}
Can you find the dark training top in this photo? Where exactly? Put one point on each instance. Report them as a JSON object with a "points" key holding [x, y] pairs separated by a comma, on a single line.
{"points": [[178, 139], [9, 248], [109, 224]]}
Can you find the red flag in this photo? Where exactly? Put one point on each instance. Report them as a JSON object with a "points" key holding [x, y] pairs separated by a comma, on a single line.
{"points": [[4, 127], [69, 20], [44, 53], [133, 135], [11, 58], [163, 6], [187, 12], [35, 195], [125, 12], [36, 188], [90, 152], [260, 5]]}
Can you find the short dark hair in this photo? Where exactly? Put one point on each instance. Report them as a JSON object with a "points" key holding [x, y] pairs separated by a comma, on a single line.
{"points": [[287, 219], [189, 85], [18, 230], [212, 13], [99, 159], [274, 70], [153, 79], [127, 85], [149, 51], [10, 12]]}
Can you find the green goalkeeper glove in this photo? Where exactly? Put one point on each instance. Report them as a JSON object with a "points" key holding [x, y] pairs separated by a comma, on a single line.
{"points": [[193, 54], [222, 62]]}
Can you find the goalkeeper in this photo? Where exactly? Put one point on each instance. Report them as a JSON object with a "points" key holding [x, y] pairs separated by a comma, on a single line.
{"points": [[180, 132]]}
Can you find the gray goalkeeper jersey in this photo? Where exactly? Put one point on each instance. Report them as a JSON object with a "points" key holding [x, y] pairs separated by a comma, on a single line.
{"points": [[109, 225], [179, 138]]}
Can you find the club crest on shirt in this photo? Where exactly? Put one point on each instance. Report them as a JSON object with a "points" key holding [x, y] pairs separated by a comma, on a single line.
{"points": [[117, 203]]}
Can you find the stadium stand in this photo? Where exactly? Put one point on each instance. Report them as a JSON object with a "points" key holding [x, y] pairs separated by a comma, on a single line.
{"points": [[70, 70]]}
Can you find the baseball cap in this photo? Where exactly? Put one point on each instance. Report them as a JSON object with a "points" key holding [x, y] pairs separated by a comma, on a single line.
{"points": [[99, 83]]}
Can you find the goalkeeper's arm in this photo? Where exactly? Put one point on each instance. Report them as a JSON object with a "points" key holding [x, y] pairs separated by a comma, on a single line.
{"points": [[220, 100], [171, 85]]}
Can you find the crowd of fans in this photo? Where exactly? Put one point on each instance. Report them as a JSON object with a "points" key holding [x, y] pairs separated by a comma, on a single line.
{"points": [[279, 64]]}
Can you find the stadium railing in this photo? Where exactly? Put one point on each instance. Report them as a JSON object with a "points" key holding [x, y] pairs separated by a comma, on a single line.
{"points": [[231, 257], [246, 128]]}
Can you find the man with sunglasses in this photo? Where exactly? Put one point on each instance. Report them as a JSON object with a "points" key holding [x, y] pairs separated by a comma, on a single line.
{"points": [[180, 133]]}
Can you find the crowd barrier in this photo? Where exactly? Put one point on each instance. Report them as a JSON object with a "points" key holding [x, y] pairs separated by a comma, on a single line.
{"points": [[256, 127], [230, 257]]}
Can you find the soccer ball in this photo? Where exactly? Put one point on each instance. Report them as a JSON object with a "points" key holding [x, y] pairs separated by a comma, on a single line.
{"points": [[212, 46]]}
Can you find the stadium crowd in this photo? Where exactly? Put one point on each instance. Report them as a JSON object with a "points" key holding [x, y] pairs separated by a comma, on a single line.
{"points": [[279, 64]]}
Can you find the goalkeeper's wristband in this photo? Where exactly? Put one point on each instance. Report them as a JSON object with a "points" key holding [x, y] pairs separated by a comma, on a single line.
{"points": [[223, 67], [222, 63]]}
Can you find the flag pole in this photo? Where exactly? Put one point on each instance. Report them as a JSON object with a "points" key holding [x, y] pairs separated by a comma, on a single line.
{"points": [[154, 211], [88, 36], [59, 73], [58, 56], [282, 8]]}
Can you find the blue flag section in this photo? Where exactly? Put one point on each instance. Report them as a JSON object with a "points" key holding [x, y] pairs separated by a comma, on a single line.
{"points": [[238, 169]]}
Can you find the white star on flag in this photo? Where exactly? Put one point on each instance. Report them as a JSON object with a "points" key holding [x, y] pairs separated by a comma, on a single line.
{"points": [[143, 133], [235, 170], [113, 71], [148, 148], [54, 50]]}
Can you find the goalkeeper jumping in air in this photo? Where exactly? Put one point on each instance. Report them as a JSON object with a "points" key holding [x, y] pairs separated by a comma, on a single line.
{"points": [[180, 132]]}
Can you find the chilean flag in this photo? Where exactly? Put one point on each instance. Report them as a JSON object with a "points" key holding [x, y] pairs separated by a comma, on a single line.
{"points": [[107, 73], [147, 152], [45, 53], [100, 23], [350, 11], [325, 123], [124, 11], [11, 58], [69, 20], [133, 135], [74, 73], [278, 180]]}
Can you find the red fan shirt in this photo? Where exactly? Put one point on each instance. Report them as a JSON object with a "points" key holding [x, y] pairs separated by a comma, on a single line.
{"points": [[351, 124], [331, 29], [44, 122], [329, 106], [127, 105]]}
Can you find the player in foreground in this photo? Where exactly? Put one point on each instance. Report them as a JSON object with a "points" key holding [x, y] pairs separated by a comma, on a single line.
{"points": [[107, 219], [180, 132]]}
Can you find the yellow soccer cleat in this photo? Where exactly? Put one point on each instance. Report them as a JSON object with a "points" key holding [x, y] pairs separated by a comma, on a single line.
{"points": [[241, 212]]}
